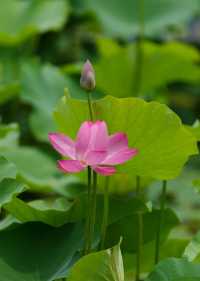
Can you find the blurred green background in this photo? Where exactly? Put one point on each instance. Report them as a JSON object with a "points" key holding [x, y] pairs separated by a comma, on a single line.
{"points": [[140, 48], [146, 48]]}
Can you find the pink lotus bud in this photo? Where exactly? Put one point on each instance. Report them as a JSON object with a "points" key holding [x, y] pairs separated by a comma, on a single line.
{"points": [[87, 80]]}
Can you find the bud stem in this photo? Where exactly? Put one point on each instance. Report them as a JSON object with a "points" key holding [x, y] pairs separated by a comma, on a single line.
{"points": [[90, 106]]}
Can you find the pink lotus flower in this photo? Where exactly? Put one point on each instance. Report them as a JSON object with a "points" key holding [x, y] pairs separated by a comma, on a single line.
{"points": [[93, 147]]}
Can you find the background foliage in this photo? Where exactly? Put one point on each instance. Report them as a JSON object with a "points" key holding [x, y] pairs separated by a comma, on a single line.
{"points": [[147, 59]]}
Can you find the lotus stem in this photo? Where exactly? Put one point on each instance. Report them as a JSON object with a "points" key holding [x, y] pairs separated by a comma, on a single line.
{"points": [[160, 222], [105, 213], [93, 211], [140, 234], [90, 106], [89, 215], [88, 221]]}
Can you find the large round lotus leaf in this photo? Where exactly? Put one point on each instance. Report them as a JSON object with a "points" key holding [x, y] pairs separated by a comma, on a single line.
{"points": [[163, 142], [37, 252]]}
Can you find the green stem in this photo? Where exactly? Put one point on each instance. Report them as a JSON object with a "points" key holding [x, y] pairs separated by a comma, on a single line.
{"points": [[139, 249], [140, 234], [138, 186], [88, 226], [93, 210], [160, 222], [105, 214], [139, 50], [90, 106], [88, 220]]}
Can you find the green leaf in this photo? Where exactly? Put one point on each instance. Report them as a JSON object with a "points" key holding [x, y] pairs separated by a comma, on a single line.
{"points": [[10, 61], [35, 168], [195, 129], [23, 162], [28, 18], [9, 135], [127, 227], [58, 211], [42, 86], [192, 251], [37, 252], [123, 20], [101, 266], [152, 128], [175, 270], [53, 212], [9, 188], [7, 169], [161, 64]]}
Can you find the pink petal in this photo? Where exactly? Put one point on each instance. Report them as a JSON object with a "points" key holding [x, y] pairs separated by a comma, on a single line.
{"points": [[63, 144], [95, 157], [120, 156], [99, 136], [104, 170], [83, 138], [117, 142], [91, 136], [70, 166]]}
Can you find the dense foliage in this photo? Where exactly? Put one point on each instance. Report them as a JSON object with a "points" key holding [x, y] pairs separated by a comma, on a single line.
{"points": [[146, 56]]}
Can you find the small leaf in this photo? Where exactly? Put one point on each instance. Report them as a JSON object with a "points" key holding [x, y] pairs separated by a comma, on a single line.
{"points": [[101, 266]]}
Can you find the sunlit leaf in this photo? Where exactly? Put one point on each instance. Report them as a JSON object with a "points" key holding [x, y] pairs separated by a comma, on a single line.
{"points": [[163, 142], [195, 129]]}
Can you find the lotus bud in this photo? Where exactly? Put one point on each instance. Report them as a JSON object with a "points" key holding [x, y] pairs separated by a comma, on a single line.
{"points": [[87, 80]]}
